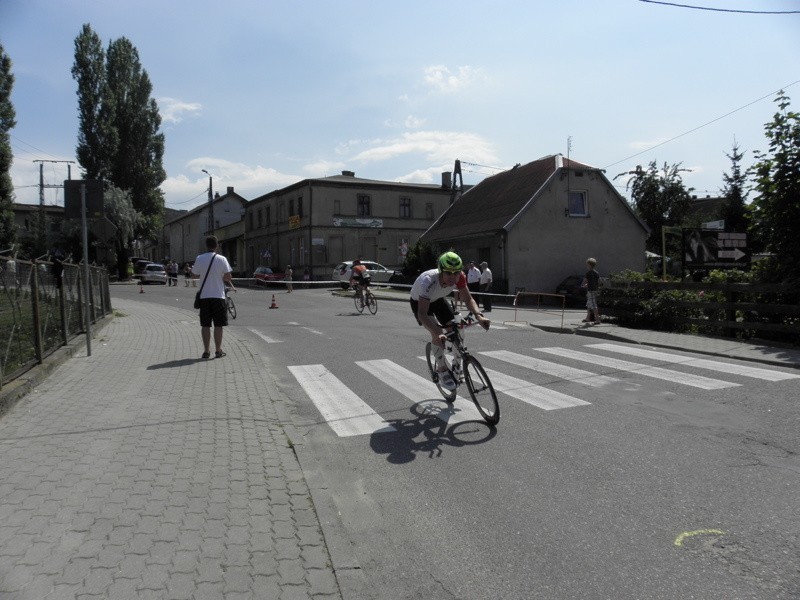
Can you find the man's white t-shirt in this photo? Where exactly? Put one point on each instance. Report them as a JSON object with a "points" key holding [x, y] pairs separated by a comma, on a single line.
{"points": [[474, 275], [428, 285], [486, 276], [215, 286]]}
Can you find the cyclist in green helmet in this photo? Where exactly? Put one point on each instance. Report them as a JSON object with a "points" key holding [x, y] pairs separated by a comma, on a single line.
{"points": [[428, 300]]}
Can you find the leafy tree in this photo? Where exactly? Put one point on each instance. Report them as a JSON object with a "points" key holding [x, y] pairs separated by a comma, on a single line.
{"points": [[7, 122], [119, 138], [420, 257], [659, 198], [120, 212], [735, 210], [776, 207]]}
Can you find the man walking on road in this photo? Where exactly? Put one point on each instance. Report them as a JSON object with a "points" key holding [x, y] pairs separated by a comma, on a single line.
{"points": [[212, 295]]}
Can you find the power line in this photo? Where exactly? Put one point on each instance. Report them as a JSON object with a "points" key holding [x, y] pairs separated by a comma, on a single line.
{"points": [[728, 10], [701, 126]]}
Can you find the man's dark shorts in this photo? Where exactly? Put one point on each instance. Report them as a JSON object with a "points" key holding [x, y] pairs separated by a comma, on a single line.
{"points": [[440, 309], [213, 310]]}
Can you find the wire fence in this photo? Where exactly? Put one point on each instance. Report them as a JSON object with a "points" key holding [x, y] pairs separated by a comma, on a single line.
{"points": [[42, 308]]}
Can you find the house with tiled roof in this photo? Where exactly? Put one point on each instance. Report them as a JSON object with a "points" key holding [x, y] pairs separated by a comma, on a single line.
{"points": [[537, 223]]}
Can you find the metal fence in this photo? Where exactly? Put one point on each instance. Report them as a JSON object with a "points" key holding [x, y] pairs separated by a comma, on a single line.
{"points": [[41, 311]]}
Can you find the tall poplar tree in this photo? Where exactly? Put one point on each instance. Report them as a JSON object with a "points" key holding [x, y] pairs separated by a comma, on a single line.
{"points": [[776, 206], [119, 139], [734, 210], [7, 122]]}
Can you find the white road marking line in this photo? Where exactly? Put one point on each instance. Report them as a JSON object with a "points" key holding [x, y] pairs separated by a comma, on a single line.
{"points": [[313, 330], [550, 368], [417, 389], [267, 339], [700, 363], [697, 381], [341, 408], [530, 393]]}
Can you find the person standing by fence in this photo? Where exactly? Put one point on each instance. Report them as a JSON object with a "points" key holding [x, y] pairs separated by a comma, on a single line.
{"points": [[591, 281], [486, 286]]}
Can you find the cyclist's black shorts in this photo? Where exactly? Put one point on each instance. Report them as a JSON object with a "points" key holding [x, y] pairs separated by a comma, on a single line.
{"points": [[440, 309]]}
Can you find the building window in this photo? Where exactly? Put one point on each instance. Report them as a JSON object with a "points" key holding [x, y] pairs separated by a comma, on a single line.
{"points": [[337, 207], [299, 206], [280, 212], [577, 204], [405, 208], [291, 208], [259, 218], [429, 211], [250, 219], [268, 219], [363, 206]]}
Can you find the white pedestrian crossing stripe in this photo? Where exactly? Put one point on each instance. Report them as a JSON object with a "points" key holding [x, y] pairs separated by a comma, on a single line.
{"points": [[697, 381], [343, 410], [349, 415], [550, 368], [700, 363], [417, 388]]}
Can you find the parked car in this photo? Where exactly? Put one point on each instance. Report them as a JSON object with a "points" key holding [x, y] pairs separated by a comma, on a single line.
{"points": [[572, 291], [154, 273], [262, 275], [377, 272], [139, 265]]}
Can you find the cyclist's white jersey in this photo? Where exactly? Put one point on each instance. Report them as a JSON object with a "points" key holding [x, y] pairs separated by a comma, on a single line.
{"points": [[428, 285]]}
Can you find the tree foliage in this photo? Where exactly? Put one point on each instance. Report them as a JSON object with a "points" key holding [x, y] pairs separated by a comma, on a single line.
{"points": [[7, 122], [735, 192], [119, 139], [659, 198], [776, 206]]}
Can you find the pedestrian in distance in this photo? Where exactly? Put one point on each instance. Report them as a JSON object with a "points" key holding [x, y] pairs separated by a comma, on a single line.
{"points": [[288, 278], [485, 284], [212, 295], [473, 278], [591, 282]]}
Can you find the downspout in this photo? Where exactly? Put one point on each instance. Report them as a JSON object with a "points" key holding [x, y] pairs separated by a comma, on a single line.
{"points": [[310, 231]]}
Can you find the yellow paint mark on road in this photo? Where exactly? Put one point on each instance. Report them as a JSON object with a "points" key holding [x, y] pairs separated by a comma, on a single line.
{"points": [[688, 534]]}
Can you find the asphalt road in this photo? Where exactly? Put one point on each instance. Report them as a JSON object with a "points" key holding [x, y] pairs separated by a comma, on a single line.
{"points": [[656, 480]]}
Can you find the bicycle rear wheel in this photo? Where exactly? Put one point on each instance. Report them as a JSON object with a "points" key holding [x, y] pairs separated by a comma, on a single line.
{"points": [[359, 303], [231, 307], [446, 394], [372, 303], [481, 390]]}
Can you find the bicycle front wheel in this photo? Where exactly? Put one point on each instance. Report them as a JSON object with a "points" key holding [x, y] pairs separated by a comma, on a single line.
{"points": [[231, 307], [359, 302], [448, 395], [372, 304], [481, 390]]}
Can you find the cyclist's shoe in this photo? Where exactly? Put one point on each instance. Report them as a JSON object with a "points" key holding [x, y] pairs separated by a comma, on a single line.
{"points": [[446, 380]]}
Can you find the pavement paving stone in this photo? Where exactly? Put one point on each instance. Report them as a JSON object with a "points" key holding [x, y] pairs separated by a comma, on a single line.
{"points": [[144, 472]]}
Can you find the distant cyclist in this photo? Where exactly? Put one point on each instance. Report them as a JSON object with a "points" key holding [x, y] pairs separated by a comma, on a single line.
{"points": [[428, 298], [359, 277]]}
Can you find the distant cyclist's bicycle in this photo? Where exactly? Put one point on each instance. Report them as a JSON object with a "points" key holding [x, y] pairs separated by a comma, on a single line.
{"points": [[229, 304], [365, 299], [465, 368]]}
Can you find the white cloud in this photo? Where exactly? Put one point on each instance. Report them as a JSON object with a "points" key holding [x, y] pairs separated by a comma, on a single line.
{"points": [[173, 110], [438, 146], [442, 79], [323, 168], [413, 122]]}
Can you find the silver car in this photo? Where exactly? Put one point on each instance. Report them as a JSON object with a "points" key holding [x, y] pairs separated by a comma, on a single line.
{"points": [[377, 272], [154, 273]]}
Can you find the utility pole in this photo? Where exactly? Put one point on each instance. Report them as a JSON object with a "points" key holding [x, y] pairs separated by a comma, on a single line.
{"points": [[210, 203], [41, 230]]}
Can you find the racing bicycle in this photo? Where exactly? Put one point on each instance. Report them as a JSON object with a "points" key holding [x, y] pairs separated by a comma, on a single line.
{"points": [[464, 368], [229, 304], [365, 299]]}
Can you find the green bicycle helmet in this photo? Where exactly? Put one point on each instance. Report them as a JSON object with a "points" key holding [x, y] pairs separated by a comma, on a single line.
{"points": [[450, 262]]}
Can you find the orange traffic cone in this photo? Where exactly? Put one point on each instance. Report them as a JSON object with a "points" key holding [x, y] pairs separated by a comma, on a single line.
{"points": [[274, 304], [141, 287]]}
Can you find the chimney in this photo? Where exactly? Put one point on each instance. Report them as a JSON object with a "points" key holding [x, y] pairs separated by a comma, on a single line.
{"points": [[446, 182], [230, 189], [348, 173]]}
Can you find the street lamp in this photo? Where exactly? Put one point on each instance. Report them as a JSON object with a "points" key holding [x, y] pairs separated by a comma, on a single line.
{"points": [[210, 203]]}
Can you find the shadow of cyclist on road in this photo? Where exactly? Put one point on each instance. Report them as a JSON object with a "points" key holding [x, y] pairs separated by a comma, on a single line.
{"points": [[428, 433]]}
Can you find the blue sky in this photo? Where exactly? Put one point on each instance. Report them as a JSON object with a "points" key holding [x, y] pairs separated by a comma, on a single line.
{"points": [[263, 93]]}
